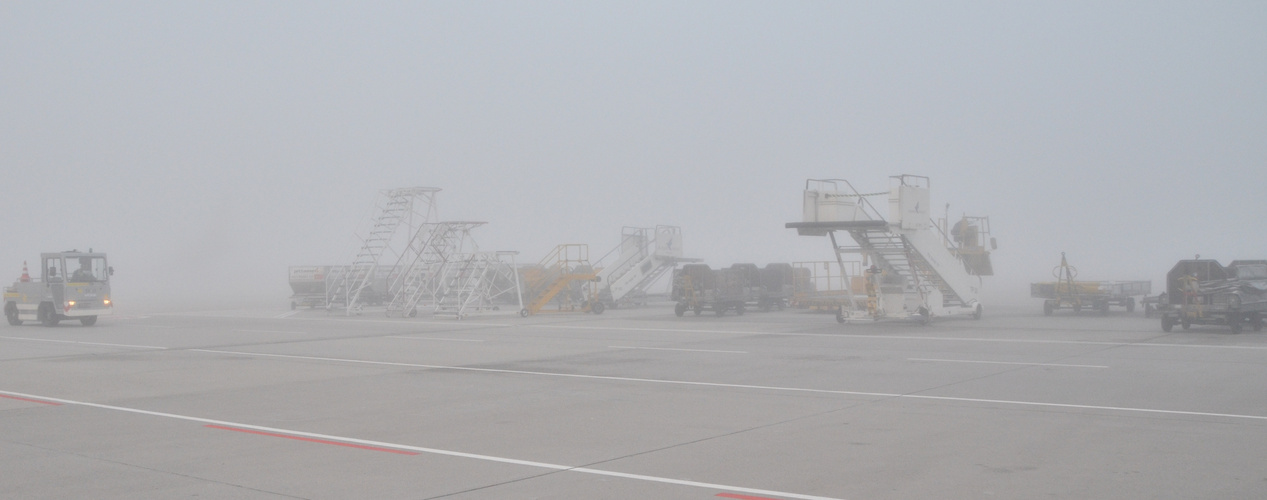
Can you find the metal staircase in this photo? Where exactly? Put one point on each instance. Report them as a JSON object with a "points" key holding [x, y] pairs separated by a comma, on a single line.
{"points": [[565, 274], [643, 257], [917, 272], [475, 282], [437, 245], [394, 209]]}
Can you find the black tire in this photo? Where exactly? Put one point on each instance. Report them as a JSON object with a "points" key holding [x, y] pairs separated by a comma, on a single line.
{"points": [[597, 307], [840, 315], [1167, 324], [977, 313], [1103, 307], [1130, 304], [739, 310], [1185, 324], [1077, 308], [679, 309], [523, 313], [11, 314], [1236, 322], [47, 316], [1048, 308], [699, 310], [88, 320], [1256, 322], [720, 310], [413, 313]]}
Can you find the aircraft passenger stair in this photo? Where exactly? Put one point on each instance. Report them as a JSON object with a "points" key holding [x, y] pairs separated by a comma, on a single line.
{"points": [[935, 275]]}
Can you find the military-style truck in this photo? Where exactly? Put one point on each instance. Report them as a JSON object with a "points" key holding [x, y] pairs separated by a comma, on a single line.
{"points": [[72, 285], [1203, 292]]}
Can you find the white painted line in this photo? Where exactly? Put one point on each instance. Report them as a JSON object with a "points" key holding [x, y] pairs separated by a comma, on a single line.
{"points": [[1003, 363], [746, 386], [901, 337], [286, 315], [432, 338], [86, 343], [270, 331], [672, 349], [435, 451], [407, 321]]}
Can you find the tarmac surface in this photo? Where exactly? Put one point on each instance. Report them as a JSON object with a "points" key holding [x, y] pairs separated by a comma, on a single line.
{"points": [[630, 404]]}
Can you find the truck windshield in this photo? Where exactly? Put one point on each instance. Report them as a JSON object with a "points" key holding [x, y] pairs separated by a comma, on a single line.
{"points": [[1251, 272], [88, 269]]}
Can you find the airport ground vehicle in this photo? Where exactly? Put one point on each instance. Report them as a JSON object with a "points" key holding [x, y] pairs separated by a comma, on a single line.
{"points": [[82, 294], [697, 287], [1065, 293], [1203, 292], [917, 269]]}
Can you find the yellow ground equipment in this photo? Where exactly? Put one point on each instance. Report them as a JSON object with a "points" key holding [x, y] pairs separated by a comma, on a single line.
{"points": [[1066, 293], [564, 277]]}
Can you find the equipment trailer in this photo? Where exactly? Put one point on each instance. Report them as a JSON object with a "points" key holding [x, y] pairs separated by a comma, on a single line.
{"points": [[83, 294], [1065, 293]]}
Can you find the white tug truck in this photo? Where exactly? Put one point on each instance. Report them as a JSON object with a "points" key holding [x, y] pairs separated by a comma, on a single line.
{"points": [[72, 285]]}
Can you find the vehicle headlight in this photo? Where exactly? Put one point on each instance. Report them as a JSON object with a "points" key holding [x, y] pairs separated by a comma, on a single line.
{"points": [[71, 303], [105, 302]]}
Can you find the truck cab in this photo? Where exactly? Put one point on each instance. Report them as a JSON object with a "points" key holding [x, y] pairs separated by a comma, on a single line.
{"points": [[71, 285]]}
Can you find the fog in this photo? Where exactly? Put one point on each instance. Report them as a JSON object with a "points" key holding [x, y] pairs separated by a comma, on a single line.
{"points": [[208, 146]]}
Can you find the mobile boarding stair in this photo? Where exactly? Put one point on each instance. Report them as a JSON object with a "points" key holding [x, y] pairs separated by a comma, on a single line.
{"points": [[419, 278], [477, 282], [395, 209], [644, 256], [564, 277], [915, 270]]}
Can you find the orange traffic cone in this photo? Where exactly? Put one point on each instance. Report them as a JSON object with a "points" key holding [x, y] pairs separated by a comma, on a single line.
{"points": [[26, 277]]}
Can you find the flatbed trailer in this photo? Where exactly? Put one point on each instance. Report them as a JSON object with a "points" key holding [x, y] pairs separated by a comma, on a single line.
{"points": [[1203, 292], [1093, 295]]}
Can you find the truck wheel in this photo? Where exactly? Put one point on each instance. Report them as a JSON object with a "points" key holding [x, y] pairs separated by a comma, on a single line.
{"points": [[11, 314], [840, 315], [1104, 307], [1256, 322], [1236, 322], [699, 310], [1185, 324], [1166, 323], [1077, 308], [88, 320], [1047, 308], [1130, 304], [739, 310], [977, 313], [47, 316], [720, 310], [523, 313], [597, 307], [679, 309]]}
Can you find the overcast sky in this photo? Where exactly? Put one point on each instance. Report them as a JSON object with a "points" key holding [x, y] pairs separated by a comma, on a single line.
{"points": [[206, 146]]}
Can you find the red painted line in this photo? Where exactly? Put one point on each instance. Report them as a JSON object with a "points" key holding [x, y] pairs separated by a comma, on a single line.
{"points": [[50, 403], [743, 497], [311, 440]]}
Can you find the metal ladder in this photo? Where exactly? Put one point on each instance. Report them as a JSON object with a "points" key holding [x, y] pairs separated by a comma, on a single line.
{"points": [[397, 207], [438, 246]]}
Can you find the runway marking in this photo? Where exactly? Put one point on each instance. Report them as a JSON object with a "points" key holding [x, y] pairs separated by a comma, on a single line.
{"points": [[673, 349], [312, 440], [757, 387], [1004, 363], [743, 497], [85, 343], [29, 400], [270, 331], [432, 338], [899, 337], [433, 451]]}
